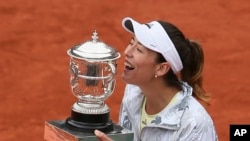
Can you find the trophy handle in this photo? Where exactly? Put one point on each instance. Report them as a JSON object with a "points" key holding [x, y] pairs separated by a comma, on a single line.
{"points": [[111, 78], [112, 67]]}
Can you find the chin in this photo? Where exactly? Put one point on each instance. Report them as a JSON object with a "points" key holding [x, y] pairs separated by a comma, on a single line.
{"points": [[126, 79], [129, 79]]}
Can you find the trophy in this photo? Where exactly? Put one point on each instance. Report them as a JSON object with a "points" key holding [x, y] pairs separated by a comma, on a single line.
{"points": [[92, 69]]}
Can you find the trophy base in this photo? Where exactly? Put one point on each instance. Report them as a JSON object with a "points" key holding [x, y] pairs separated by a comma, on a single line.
{"points": [[59, 131], [89, 127], [89, 122]]}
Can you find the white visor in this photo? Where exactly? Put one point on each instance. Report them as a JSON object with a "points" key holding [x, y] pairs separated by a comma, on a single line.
{"points": [[153, 36]]}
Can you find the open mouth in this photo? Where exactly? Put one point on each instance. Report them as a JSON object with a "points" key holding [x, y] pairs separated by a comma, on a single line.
{"points": [[128, 66]]}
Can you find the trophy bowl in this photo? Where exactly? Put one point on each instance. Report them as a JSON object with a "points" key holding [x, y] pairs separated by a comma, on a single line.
{"points": [[92, 69]]}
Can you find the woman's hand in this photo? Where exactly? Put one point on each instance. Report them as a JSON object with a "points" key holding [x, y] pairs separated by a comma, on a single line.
{"points": [[101, 136]]}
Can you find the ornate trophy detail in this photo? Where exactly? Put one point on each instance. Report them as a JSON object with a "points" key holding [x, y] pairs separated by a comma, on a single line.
{"points": [[92, 70]]}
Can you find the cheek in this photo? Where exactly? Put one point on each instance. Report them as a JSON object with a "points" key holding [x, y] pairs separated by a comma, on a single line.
{"points": [[146, 67], [146, 63]]}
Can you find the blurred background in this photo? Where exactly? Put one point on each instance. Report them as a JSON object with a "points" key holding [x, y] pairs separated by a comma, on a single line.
{"points": [[35, 36]]}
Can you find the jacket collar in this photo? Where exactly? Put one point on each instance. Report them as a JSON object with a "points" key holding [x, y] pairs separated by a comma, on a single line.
{"points": [[170, 118]]}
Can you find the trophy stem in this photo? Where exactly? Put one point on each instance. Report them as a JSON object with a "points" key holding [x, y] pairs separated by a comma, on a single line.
{"points": [[90, 108]]}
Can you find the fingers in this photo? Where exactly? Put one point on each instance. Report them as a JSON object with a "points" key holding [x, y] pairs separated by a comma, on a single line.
{"points": [[101, 136]]}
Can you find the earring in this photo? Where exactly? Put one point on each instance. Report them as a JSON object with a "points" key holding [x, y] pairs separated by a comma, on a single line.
{"points": [[156, 75]]}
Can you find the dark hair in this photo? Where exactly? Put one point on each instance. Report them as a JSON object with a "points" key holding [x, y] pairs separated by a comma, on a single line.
{"points": [[192, 58]]}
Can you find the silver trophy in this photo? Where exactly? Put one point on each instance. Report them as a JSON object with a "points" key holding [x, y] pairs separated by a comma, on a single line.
{"points": [[92, 68], [92, 78]]}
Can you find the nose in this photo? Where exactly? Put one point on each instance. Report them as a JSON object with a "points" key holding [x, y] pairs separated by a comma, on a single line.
{"points": [[128, 51]]}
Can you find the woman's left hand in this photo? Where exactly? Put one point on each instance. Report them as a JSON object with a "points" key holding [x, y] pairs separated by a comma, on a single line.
{"points": [[101, 136]]}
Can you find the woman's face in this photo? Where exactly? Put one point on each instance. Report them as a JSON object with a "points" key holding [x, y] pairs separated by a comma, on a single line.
{"points": [[140, 63]]}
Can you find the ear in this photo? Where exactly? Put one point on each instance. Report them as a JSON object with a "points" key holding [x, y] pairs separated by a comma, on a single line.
{"points": [[162, 68]]}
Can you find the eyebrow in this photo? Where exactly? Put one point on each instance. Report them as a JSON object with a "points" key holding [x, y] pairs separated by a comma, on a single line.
{"points": [[137, 40]]}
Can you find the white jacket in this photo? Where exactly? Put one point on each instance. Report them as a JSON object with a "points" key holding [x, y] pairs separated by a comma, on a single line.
{"points": [[185, 120]]}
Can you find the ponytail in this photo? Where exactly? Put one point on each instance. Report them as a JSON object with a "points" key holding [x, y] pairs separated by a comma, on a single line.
{"points": [[192, 58], [192, 72]]}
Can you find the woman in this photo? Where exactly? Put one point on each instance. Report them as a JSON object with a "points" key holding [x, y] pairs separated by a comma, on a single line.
{"points": [[163, 70]]}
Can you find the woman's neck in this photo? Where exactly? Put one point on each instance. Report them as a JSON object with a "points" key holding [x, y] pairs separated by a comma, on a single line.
{"points": [[158, 97]]}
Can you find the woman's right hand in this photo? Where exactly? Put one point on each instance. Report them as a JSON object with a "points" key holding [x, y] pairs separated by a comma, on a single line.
{"points": [[101, 136]]}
